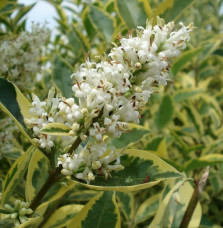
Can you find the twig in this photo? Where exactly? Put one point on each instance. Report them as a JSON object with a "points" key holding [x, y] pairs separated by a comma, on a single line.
{"points": [[199, 185], [54, 176]]}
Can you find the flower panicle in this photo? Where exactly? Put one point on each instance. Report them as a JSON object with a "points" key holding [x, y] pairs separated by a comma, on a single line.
{"points": [[117, 88]]}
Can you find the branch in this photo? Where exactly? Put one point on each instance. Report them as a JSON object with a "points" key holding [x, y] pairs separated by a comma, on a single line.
{"points": [[199, 185], [54, 176]]}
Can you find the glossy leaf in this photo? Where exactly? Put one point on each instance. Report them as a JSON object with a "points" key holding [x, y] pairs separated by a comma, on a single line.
{"points": [[63, 216], [102, 211], [59, 129], [132, 12], [165, 112], [37, 174], [16, 173], [15, 104], [142, 170]]}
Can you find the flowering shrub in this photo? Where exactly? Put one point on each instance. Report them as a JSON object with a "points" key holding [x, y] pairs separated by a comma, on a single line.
{"points": [[77, 129]]}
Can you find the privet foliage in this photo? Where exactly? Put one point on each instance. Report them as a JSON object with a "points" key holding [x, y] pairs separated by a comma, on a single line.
{"points": [[147, 180]]}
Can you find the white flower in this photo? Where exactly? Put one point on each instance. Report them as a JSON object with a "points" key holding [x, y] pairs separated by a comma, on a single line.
{"points": [[110, 95], [20, 55]]}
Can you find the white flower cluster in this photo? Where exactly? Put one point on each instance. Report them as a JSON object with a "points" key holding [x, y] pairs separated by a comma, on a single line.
{"points": [[112, 93], [20, 55], [7, 127], [45, 113], [19, 213]]}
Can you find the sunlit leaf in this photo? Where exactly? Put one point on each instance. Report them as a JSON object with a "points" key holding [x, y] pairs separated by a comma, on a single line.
{"points": [[142, 170], [59, 129]]}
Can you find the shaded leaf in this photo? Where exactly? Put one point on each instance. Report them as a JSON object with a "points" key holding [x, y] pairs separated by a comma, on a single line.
{"points": [[147, 209], [102, 21], [126, 204], [62, 216], [37, 174], [3, 3], [165, 112], [132, 13], [16, 174], [184, 94], [102, 211], [171, 210], [184, 58], [61, 76], [206, 160], [22, 12], [137, 132], [15, 104], [170, 10], [32, 222]]}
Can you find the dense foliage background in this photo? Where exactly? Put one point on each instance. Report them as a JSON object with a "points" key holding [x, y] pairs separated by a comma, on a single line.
{"points": [[182, 123]]}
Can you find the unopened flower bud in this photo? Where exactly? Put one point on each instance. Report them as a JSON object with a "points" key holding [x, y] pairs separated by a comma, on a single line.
{"points": [[83, 137], [96, 165], [8, 216], [29, 211], [91, 176], [23, 218], [14, 215], [22, 211], [8, 208], [107, 121], [75, 127], [16, 222], [138, 65], [66, 172]]}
